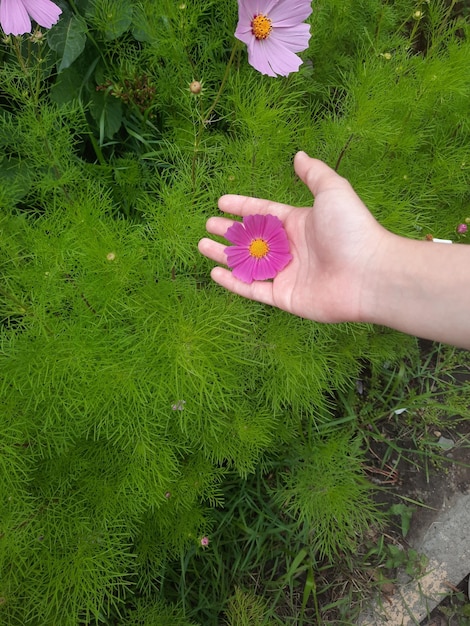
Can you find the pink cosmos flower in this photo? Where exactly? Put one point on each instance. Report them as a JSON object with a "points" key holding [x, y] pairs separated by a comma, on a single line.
{"points": [[462, 229], [204, 542], [273, 31], [15, 15], [261, 248]]}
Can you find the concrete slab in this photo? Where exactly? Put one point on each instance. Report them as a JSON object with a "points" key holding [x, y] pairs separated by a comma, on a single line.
{"points": [[446, 544]]}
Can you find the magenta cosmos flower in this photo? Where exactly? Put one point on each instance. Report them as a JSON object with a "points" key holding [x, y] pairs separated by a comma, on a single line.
{"points": [[15, 15], [273, 31], [261, 248]]}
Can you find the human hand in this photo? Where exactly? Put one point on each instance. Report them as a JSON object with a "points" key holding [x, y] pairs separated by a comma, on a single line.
{"points": [[335, 246]]}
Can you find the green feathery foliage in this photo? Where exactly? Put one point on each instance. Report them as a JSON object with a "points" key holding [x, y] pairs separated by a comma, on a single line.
{"points": [[132, 387], [326, 492]]}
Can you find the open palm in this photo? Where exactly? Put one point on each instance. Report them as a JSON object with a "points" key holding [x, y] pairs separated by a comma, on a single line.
{"points": [[332, 244]]}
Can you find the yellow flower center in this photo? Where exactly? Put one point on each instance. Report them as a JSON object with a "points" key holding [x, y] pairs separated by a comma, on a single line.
{"points": [[258, 248], [261, 26]]}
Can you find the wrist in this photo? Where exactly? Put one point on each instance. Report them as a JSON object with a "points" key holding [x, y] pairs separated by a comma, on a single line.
{"points": [[384, 280], [419, 288]]}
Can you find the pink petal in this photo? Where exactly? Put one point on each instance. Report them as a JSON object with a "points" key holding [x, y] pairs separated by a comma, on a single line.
{"points": [[290, 13], [44, 12], [254, 225], [272, 227], [14, 17], [279, 261], [294, 38], [244, 31], [237, 234], [263, 270], [245, 270], [245, 35], [274, 56], [278, 248], [246, 11], [248, 268], [259, 58], [236, 255], [281, 60]]}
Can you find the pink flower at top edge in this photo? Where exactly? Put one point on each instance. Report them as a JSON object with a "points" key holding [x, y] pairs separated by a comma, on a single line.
{"points": [[261, 248], [15, 15], [273, 31]]}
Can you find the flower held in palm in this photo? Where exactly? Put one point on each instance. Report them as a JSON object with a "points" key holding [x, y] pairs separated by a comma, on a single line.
{"points": [[15, 15], [261, 248], [273, 31]]}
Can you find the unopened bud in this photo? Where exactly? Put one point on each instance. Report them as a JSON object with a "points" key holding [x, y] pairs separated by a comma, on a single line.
{"points": [[195, 87]]}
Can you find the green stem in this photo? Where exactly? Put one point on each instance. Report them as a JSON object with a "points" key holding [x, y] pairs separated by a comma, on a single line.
{"points": [[206, 117], [19, 56], [23, 310], [14, 299], [222, 85], [97, 149], [90, 37]]}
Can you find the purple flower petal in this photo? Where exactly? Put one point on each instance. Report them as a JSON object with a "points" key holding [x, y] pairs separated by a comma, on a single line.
{"points": [[263, 270], [246, 10], [237, 234], [245, 270], [254, 225], [259, 58], [240, 257], [15, 15], [14, 18], [280, 60], [44, 12], [271, 228], [288, 14], [294, 39], [274, 54]]}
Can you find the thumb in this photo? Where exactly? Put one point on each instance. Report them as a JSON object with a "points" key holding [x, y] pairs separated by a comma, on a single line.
{"points": [[317, 175]]}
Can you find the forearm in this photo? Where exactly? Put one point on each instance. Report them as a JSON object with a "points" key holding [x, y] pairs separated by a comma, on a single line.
{"points": [[421, 288]]}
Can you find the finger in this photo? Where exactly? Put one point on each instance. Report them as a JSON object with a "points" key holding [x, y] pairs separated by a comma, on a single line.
{"points": [[243, 205], [318, 176], [213, 250], [257, 290], [218, 225]]}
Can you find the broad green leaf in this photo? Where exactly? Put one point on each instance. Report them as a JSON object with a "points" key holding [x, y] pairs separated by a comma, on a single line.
{"points": [[107, 113], [70, 82], [67, 86], [68, 38], [111, 17]]}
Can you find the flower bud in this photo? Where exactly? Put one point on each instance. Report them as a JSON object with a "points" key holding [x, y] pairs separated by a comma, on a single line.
{"points": [[195, 87]]}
